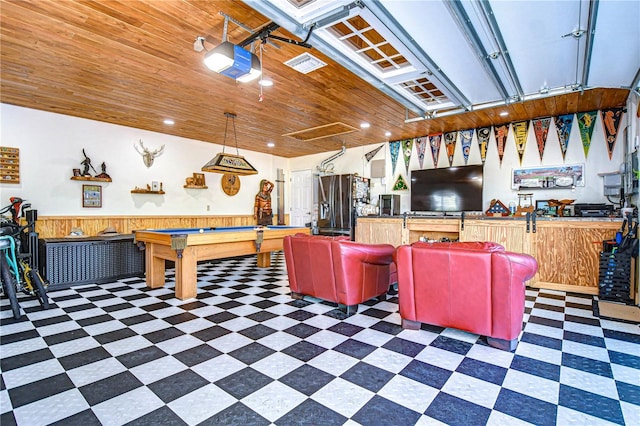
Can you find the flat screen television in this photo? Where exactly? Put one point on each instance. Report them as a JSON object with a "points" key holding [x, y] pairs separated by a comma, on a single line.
{"points": [[450, 189]]}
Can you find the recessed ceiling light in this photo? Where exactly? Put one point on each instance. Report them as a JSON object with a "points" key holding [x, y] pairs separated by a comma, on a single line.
{"points": [[365, 125], [271, 144], [169, 122], [265, 83], [387, 134], [504, 114]]}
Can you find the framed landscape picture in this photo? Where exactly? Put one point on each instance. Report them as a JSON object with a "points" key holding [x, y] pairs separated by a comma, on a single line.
{"points": [[543, 208]]}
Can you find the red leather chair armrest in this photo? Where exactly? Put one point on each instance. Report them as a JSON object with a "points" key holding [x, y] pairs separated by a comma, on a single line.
{"points": [[509, 273]]}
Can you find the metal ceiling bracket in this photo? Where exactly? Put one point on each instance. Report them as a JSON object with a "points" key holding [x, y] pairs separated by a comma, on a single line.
{"points": [[586, 65], [462, 19], [490, 21], [635, 84]]}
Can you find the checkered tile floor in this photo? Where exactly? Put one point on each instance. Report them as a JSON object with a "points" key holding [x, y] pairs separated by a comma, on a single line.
{"points": [[244, 353]]}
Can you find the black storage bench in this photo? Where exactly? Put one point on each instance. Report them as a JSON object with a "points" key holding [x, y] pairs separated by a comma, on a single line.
{"points": [[71, 261]]}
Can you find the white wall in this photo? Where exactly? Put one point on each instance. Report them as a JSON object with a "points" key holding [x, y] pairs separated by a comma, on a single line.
{"points": [[497, 177], [51, 146]]}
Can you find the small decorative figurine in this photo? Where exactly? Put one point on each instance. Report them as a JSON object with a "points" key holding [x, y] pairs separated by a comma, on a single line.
{"points": [[104, 174], [87, 164]]}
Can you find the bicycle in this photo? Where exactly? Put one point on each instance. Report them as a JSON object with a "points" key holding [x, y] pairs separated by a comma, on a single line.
{"points": [[16, 271]]}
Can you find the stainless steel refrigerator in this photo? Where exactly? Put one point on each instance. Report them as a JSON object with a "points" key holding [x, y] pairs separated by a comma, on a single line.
{"points": [[338, 198]]}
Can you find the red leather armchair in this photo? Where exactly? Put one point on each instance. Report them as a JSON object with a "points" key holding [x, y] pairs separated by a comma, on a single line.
{"points": [[472, 286], [336, 269]]}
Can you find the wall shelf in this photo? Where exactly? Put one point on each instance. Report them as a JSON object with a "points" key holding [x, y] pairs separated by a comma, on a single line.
{"points": [[196, 186], [91, 178], [146, 191], [9, 165]]}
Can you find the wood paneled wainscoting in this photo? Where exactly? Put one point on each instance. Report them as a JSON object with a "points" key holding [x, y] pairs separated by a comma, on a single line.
{"points": [[567, 249], [60, 226]]}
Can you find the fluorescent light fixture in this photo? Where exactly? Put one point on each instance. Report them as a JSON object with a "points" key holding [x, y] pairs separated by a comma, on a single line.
{"points": [[271, 144], [365, 125], [504, 114], [233, 61], [169, 122], [387, 134]]}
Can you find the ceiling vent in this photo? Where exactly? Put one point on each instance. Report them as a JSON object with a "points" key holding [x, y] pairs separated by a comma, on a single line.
{"points": [[305, 63]]}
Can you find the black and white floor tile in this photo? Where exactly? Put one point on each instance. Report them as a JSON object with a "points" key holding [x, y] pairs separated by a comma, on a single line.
{"points": [[244, 353]]}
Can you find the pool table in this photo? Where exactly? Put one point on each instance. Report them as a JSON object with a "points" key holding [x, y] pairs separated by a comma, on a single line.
{"points": [[187, 246]]}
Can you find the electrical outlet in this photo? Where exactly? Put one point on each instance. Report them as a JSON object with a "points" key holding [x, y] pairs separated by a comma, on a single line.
{"points": [[208, 207]]}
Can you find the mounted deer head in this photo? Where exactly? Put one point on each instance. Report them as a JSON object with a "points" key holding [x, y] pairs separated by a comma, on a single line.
{"points": [[148, 156]]}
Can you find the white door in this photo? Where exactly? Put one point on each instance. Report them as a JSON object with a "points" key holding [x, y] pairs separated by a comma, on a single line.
{"points": [[301, 197]]}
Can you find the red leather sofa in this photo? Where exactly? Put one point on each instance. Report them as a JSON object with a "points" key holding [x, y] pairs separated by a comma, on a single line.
{"points": [[472, 286], [337, 270]]}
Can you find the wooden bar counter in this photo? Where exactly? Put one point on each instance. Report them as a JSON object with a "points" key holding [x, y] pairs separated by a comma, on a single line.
{"points": [[567, 249]]}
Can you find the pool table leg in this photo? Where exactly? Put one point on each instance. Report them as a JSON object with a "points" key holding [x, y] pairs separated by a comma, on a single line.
{"points": [[154, 268], [187, 274], [264, 259]]}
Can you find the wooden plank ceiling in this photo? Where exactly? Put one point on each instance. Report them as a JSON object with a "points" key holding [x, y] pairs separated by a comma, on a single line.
{"points": [[133, 63]]}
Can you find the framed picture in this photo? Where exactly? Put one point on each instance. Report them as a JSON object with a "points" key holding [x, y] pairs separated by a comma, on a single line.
{"points": [[565, 176], [198, 179], [91, 196], [543, 209]]}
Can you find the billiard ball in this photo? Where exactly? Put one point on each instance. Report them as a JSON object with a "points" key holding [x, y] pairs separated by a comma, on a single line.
{"points": [[201, 231]]}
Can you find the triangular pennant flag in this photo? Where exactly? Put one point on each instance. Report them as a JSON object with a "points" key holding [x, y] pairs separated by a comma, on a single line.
{"points": [[394, 147], [520, 131], [501, 131], [483, 141], [586, 124], [421, 147], [400, 184], [465, 140], [434, 142], [563, 126], [611, 119], [450, 145], [407, 146], [369, 155], [541, 130]]}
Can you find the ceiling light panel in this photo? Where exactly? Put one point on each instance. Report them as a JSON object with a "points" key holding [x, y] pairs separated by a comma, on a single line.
{"points": [[368, 43], [424, 90]]}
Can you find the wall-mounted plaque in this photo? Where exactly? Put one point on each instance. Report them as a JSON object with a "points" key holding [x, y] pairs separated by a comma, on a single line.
{"points": [[230, 183]]}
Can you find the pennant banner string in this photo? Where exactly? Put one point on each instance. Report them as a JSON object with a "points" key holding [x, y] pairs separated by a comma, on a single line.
{"points": [[563, 126], [434, 142], [450, 145], [541, 130], [586, 124], [407, 146], [483, 141], [421, 147], [465, 140]]}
